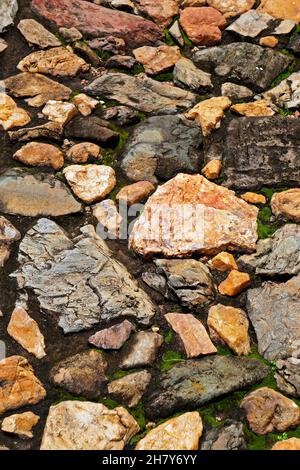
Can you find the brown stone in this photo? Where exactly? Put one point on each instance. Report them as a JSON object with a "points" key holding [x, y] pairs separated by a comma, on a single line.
{"points": [[113, 337], [231, 326], [130, 389], [289, 444], [269, 411], [85, 104], [59, 111], [84, 153], [135, 192], [192, 333], [142, 351], [231, 8], [35, 33], [203, 25], [209, 113], [38, 154], [8, 235], [287, 204], [20, 424], [254, 198], [268, 41], [212, 169], [161, 11], [190, 214], [3, 45], [234, 283], [49, 131], [285, 10], [256, 108], [10, 115], [26, 332], [157, 59], [224, 262], [18, 384]]}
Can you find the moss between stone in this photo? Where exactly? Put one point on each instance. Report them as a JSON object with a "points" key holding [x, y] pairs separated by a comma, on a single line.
{"points": [[169, 337], [170, 358], [285, 74]]}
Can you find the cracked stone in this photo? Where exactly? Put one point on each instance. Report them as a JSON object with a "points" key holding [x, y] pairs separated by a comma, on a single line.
{"points": [[288, 376], [229, 437]]}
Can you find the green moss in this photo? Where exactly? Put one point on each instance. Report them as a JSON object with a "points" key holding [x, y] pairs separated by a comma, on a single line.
{"points": [[61, 38], [119, 374], [169, 359], [223, 350], [266, 228], [60, 176], [169, 337], [73, 94], [137, 69], [169, 38], [285, 74], [164, 77], [254, 442], [268, 192], [109, 403], [295, 32], [284, 112], [138, 412]]}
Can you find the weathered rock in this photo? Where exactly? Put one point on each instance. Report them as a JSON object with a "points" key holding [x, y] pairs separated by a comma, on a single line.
{"points": [[288, 444], [126, 62], [38, 154], [95, 21], [8, 10], [41, 89], [8, 235], [229, 437], [79, 280], [192, 333], [26, 332], [254, 198], [278, 255], [294, 44], [251, 24], [111, 44], [180, 433], [122, 115], [261, 152], [212, 169], [142, 351], [134, 193], [157, 59], [87, 53], [209, 113], [107, 214], [83, 374], [48, 131], [92, 128], [202, 25], [287, 93], [90, 183], [186, 73], [20, 424], [231, 326], [288, 376], [113, 337], [84, 153], [268, 41], [85, 104], [130, 389], [161, 147], [161, 11], [278, 337], [18, 384], [10, 114], [268, 411], [3, 45], [287, 204], [193, 383], [57, 61], [59, 111], [78, 425], [284, 27], [287, 10], [142, 93], [214, 219], [246, 63], [35, 33], [51, 196], [236, 92], [224, 262], [70, 34], [255, 108], [234, 283], [231, 7]]}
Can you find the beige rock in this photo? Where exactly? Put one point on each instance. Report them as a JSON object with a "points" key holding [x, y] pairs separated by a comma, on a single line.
{"points": [[231, 8], [26, 332], [35, 33], [180, 433], [287, 204], [192, 333], [135, 192], [268, 411], [209, 113], [58, 61], [8, 235], [18, 384], [157, 59], [59, 111], [131, 388], [202, 25], [224, 262], [234, 283], [84, 152], [289, 444], [190, 214], [142, 350], [83, 425], [231, 326], [90, 183], [268, 41], [85, 104], [285, 10], [3, 45], [70, 34], [20, 424], [186, 73], [161, 11], [255, 108], [254, 198], [212, 169], [39, 154], [107, 214], [10, 115], [235, 92]]}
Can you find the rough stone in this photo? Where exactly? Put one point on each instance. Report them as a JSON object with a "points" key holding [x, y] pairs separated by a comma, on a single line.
{"points": [[18, 384], [87, 53], [135, 193], [78, 425], [84, 153], [142, 351], [39, 154], [268, 411], [8, 235], [254, 198], [78, 281], [288, 376], [111, 44], [236, 92], [202, 25], [161, 11], [59, 111], [106, 212], [234, 283], [35, 33], [255, 108], [8, 10], [287, 10], [229, 437], [187, 74], [20, 424], [251, 24], [193, 383], [10, 114], [130, 389], [121, 115], [287, 93], [3, 45], [85, 104], [23, 329], [231, 8], [70, 34], [48, 131], [157, 59], [224, 262], [287, 204], [209, 113], [114, 337], [212, 169], [92, 128]]}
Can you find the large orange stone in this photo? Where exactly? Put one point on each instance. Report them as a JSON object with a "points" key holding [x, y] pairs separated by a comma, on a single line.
{"points": [[282, 9], [203, 25], [234, 283]]}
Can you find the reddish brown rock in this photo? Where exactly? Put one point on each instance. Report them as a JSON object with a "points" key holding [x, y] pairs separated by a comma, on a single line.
{"points": [[224, 262], [231, 8], [268, 411], [161, 11], [113, 337], [38, 154], [203, 25], [26, 332], [96, 21], [157, 59], [287, 204], [234, 283], [192, 333], [289, 444], [135, 192], [268, 41]]}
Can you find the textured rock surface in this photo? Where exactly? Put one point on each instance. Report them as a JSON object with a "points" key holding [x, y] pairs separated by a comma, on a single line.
{"points": [[113, 337], [106, 212], [254, 198], [49, 131], [18, 384], [289, 444], [10, 114], [26, 332], [212, 169], [135, 193], [84, 152], [288, 376], [8, 10], [91, 128], [142, 351], [229, 437], [59, 111], [209, 113], [161, 11], [287, 204], [92, 285], [251, 24], [8, 235], [194, 383], [278, 337], [85, 104], [287, 93], [236, 92], [35, 33], [20, 424], [288, 10], [157, 59], [77, 425], [255, 108], [224, 262], [186, 73], [130, 389], [38, 154], [234, 283], [231, 7], [202, 25], [180, 433], [223, 221]]}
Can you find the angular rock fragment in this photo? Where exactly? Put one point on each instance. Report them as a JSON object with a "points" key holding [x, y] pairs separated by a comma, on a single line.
{"points": [[251, 24], [255, 108], [157, 59], [92, 128], [26, 332], [176, 33], [59, 111], [161, 11], [287, 204], [288, 376], [287, 93], [85, 104], [10, 115], [8, 235], [224, 262], [234, 283], [70, 34], [20, 424], [130, 389], [202, 25], [212, 169], [3, 45], [236, 92], [48, 131], [122, 115], [35, 33], [186, 73], [209, 113], [142, 351], [113, 337], [8, 10], [229, 437], [38, 154]]}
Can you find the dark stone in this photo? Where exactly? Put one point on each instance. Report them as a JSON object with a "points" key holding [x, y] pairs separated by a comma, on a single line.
{"points": [[288, 376], [91, 128], [294, 44], [229, 436], [87, 54], [121, 62], [110, 44], [121, 115], [48, 131]]}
